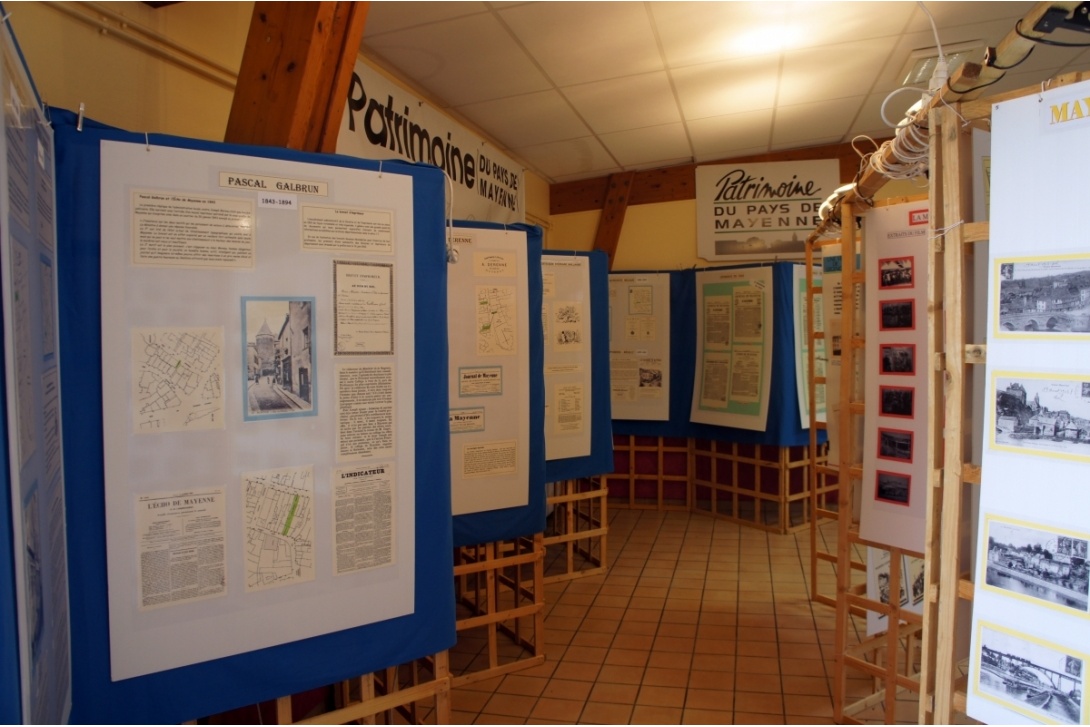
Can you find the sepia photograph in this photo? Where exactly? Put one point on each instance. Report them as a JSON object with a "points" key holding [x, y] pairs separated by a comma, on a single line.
{"points": [[897, 315], [898, 359], [914, 567], [896, 401], [277, 335], [1037, 563], [895, 444], [1041, 681], [1043, 296], [892, 487], [895, 272], [1044, 415]]}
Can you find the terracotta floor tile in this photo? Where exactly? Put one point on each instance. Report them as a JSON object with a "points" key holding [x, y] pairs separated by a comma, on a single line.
{"points": [[807, 685], [656, 696], [713, 662], [649, 714], [670, 660], [577, 671], [713, 680], [621, 674], [748, 682], [567, 689], [808, 706], [497, 719], [606, 713], [640, 642], [588, 654], [627, 657], [508, 705], [660, 677], [756, 718], [614, 693], [758, 702], [564, 710], [586, 637], [756, 665], [464, 700], [709, 699], [522, 685], [706, 716]]}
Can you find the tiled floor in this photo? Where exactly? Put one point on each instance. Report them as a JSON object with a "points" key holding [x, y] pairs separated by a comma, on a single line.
{"points": [[698, 621]]}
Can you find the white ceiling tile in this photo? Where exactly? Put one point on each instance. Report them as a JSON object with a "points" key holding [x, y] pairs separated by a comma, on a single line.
{"points": [[731, 87], [951, 14], [814, 123], [576, 42], [734, 154], [839, 71], [462, 61], [625, 103], [533, 118], [639, 147], [725, 136], [584, 156], [384, 17]]}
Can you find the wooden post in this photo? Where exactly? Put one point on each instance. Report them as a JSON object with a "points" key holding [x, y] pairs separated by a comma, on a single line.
{"points": [[613, 212], [296, 71]]}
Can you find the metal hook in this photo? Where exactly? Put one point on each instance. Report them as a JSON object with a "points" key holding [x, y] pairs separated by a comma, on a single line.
{"points": [[79, 119]]}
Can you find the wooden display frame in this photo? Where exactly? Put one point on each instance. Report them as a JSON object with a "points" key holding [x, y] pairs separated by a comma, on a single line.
{"points": [[871, 673], [659, 489], [499, 589], [576, 545]]}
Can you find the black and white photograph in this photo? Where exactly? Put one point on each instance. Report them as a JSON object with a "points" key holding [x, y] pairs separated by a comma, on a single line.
{"points": [[896, 401], [277, 335], [892, 487], [1044, 296], [897, 315], [914, 568], [895, 444], [895, 272], [650, 378], [1041, 681], [1042, 415], [1037, 563], [898, 359]]}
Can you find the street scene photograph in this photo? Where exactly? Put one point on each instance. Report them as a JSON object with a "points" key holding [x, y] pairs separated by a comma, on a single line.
{"points": [[277, 335]]}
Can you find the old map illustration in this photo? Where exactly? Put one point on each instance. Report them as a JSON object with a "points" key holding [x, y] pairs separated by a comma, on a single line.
{"points": [[177, 379], [497, 327], [279, 533]]}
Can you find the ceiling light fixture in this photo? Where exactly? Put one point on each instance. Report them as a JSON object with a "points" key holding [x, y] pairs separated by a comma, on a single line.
{"points": [[920, 66]]}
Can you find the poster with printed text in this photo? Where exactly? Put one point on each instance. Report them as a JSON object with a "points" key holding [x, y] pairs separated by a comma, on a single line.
{"points": [[734, 347], [760, 211], [639, 345], [488, 317], [566, 318], [1031, 624], [896, 380], [245, 369]]}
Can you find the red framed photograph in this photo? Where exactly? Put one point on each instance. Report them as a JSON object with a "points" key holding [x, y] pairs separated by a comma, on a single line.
{"points": [[897, 401], [897, 359], [896, 272], [895, 444], [892, 487], [897, 315]]}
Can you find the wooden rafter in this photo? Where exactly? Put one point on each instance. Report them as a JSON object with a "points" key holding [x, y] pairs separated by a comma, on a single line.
{"points": [[613, 212], [295, 74]]}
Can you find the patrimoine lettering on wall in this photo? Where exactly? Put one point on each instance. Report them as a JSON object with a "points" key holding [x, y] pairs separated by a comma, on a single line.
{"points": [[385, 126]]}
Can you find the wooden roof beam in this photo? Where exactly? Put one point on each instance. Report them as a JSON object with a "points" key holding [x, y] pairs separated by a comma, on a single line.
{"points": [[296, 69], [613, 211]]}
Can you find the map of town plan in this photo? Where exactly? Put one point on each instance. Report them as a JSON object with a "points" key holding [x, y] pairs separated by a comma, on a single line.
{"points": [[497, 327], [279, 533], [177, 379]]}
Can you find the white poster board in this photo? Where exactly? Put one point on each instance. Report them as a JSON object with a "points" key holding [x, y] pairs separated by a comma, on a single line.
{"points": [[894, 500], [32, 382], [257, 402], [734, 310], [489, 370], [1031, 623], [800, 304], [566, 319], [639, 345], [760, 211], [881, 588]]}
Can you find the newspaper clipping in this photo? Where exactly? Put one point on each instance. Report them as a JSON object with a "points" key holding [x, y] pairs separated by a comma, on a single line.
{"points": [[182, 547]]}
